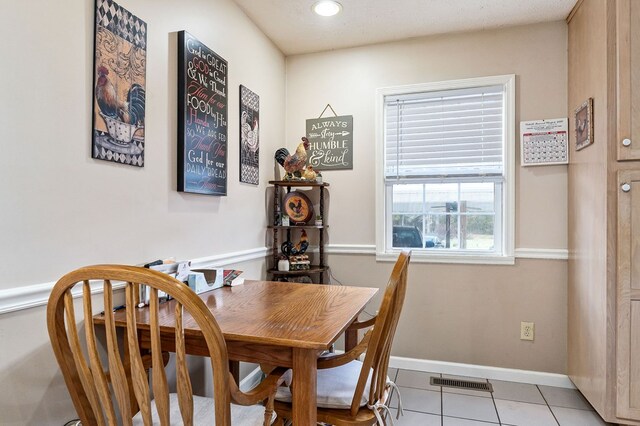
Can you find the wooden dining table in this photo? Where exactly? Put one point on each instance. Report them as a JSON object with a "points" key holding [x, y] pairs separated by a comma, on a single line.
{"points": [[272, 323]]}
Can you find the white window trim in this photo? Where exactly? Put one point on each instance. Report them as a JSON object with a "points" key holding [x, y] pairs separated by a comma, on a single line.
{"points": [[508, 235]]}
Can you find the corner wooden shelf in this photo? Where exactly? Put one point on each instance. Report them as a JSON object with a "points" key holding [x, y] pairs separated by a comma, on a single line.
{"points": [[298, 227], [319, 268], [293, 183]]}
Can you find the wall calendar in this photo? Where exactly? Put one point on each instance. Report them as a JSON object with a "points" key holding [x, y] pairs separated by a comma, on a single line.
{"points": [[544, 142]]}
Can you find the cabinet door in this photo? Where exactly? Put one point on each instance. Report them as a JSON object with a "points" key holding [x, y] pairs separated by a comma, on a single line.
{"points": [[628, 53], [628, 296]]}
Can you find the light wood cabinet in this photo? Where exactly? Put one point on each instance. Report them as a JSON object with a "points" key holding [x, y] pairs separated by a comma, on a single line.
{"points": [[628, 300], [628, 65], [604, 209]]}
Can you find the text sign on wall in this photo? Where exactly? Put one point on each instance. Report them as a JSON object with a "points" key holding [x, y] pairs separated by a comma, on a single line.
{"points": [[331, 143], [202, 118]]}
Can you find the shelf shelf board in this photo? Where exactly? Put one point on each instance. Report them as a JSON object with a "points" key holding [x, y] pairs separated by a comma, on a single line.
{"points": [[314, 269], [296, 183], [297, 226]]}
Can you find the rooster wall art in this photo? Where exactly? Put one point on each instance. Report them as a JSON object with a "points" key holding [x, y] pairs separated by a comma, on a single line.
{"points": [[130, 111], [115, 111], [120, 59]]}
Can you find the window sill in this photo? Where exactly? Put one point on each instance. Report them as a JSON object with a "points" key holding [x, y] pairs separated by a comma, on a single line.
{"points": [[472, 259]]}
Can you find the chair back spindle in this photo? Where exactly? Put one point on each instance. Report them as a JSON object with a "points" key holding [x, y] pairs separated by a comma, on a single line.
{"points": [[139, 377], [84, 371], [185, 392], [159, 377]]}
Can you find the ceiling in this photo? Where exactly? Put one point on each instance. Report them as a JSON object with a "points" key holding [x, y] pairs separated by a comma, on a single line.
{"points": [[295, 29]]}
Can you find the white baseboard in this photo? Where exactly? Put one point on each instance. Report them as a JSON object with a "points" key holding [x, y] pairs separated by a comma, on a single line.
{"points": [[454, 369], [479, 371], [482, 371]]}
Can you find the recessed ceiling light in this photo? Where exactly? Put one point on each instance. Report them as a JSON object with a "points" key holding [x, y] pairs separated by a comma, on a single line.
{"points": [[327, 8]]}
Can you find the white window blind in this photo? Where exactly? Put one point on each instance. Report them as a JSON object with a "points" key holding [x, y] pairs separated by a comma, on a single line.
{"points": [[450, 133]]}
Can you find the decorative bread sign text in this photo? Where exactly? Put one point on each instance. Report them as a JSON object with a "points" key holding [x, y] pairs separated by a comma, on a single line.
{"points": [[202, 118]]}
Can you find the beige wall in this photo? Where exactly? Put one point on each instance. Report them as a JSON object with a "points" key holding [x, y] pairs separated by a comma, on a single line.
{"points": [[60, 209], [456, 313], [471, 314]]}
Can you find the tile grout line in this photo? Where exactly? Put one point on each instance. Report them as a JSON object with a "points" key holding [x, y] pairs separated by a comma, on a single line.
{"points": [[548, 406], [495, 407], [441, 404]]}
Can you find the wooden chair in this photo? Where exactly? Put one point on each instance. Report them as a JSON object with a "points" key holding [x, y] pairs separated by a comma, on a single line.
{"points": [[351, 392], [127, 373]]}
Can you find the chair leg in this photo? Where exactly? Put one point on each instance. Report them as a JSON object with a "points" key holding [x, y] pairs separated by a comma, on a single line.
{"points": [[268, 410]]}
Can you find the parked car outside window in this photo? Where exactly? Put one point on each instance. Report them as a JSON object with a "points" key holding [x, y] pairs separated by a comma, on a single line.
{"points": [[406, 236], [432, 241]]}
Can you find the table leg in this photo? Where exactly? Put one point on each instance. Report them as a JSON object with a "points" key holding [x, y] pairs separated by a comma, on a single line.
{"points": [[234, 369], [350, 339], [304, 387]]}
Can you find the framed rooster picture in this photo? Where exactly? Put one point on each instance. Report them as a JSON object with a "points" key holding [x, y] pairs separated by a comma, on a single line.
{"points": [[120, 62], [584, 124], [249, 136]]}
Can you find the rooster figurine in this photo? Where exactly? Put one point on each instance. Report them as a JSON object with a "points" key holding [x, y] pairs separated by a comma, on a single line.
{"points": [[309, 173], [294, 164], [289, 249], [131, 111]]}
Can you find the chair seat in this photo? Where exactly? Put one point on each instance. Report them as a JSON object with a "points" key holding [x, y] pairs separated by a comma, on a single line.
{"points": [[336, 387], [204, 413]]}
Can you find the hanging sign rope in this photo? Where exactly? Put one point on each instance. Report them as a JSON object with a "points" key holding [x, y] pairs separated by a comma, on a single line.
{"points": [[325, 109]]}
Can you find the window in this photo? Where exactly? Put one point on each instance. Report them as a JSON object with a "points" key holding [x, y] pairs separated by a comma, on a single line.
{"points": [[445, 170]]}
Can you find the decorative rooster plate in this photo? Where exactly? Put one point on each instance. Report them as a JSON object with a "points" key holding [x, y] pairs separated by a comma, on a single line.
{"points": [[298, 207]]}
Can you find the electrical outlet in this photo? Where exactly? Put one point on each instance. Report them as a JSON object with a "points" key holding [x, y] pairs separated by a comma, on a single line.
{"points": [[527, 330]]}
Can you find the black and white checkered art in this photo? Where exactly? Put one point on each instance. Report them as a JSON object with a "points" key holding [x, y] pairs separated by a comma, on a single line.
{"points": [[249, 136], [106, 148], [121, 22]]}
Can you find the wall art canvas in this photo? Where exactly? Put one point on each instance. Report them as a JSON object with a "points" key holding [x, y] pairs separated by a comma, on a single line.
{"points": [[249, 136], [584, 124], [120, 62], [202, 118]]}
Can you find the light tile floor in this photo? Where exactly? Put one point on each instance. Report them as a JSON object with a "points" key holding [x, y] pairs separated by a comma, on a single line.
{"points": [[510, 404]]}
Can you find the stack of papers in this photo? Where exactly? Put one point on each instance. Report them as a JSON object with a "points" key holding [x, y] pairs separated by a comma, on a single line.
{"points": [[206, 279], [200, 280]]}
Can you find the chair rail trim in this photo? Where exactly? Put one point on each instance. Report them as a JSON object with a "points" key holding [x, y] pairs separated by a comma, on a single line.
{"points": [[31, 296]]}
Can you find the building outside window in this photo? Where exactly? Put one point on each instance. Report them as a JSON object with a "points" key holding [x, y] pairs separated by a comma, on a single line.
{"points": [[445, 170]]}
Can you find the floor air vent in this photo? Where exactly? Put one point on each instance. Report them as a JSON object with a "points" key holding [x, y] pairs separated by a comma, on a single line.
{"points": [[461, 384]]}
